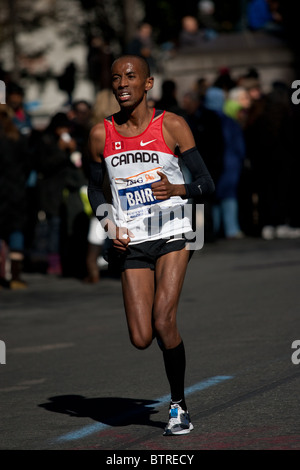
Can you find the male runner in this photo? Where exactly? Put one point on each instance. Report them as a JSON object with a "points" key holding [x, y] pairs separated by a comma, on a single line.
{"points": [[137, 147]]}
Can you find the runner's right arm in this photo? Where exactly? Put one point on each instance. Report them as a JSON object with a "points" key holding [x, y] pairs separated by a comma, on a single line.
{"points": [[120, 236]]}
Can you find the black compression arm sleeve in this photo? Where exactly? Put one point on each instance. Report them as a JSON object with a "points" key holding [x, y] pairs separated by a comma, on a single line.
{"points": [[202, 184], [95, 192]]}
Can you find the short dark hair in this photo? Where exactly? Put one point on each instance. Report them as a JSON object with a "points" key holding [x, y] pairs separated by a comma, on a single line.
{"points": [[14, 89], [143, 61], [76, 103]]}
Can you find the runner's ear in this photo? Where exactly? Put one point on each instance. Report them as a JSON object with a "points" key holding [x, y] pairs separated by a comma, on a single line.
{"points": [[149, 83]]}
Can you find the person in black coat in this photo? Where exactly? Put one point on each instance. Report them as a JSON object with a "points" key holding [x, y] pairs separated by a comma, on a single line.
{"points": [[56, 146], [15, 166], [206, 127], [60, 179]]}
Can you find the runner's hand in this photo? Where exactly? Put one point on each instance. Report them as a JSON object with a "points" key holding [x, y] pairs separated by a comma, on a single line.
{"points": [[123, 237], [120, 236], [163, 189]]}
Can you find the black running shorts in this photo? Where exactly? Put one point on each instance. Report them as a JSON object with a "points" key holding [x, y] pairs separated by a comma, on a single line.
{"points": [[144, 255]]}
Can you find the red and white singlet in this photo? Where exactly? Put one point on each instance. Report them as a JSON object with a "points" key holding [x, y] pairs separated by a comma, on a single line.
{"points": [[132, 164]]}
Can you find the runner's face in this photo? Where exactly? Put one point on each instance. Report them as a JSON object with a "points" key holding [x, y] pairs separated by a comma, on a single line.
{"points": [[129, 82]]}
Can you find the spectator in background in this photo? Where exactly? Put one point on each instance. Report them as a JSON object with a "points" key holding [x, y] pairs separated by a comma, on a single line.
{"points": [[207, 131], [253, 87], [224, 80], [207, 20], [56, 148], [143, 44], [190, 34], [97, 241], [252, 84], [75, 218], [76, 210], [225, 209], [237, 104], [14, 170], [15, 100], [67, 81], [80, 116], [251, 74], [271, 148], [248, 196], [99, 60], [200, 87], [22, 120], [264, 15], [168, 100]]}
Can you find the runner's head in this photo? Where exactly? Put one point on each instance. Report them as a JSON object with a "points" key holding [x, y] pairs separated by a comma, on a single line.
{"points": [[132, 57], [131, 80]]}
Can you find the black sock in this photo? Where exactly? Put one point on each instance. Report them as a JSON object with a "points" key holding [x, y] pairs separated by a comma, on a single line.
{"points": [[174, 360], [181, 403]]}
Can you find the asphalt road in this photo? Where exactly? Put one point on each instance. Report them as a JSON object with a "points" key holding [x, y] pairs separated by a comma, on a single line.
{"points": [[72, 380]]}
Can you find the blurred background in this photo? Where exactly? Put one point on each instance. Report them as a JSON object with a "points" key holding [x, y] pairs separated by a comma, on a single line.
{"points": [[45, 42], [226, 66]]}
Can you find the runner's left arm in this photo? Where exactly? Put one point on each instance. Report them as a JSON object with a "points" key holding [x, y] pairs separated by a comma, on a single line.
{"points": [[177, 133]]}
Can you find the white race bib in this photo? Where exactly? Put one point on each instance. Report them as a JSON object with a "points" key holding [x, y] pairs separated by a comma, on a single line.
{"points": [[135, 194]]}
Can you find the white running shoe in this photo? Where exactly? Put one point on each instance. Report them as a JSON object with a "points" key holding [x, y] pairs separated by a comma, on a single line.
{"points": [[179, 422]]}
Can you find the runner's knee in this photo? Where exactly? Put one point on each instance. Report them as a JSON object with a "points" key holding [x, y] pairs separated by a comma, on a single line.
{"points": [[165, 325], [141, 341]]}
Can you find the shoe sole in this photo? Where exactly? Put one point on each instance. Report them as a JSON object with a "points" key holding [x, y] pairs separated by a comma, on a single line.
{"points": [[179, 433]]}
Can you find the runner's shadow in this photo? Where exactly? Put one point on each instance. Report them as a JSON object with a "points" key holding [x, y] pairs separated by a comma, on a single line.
{"points": [[113, 411]]}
